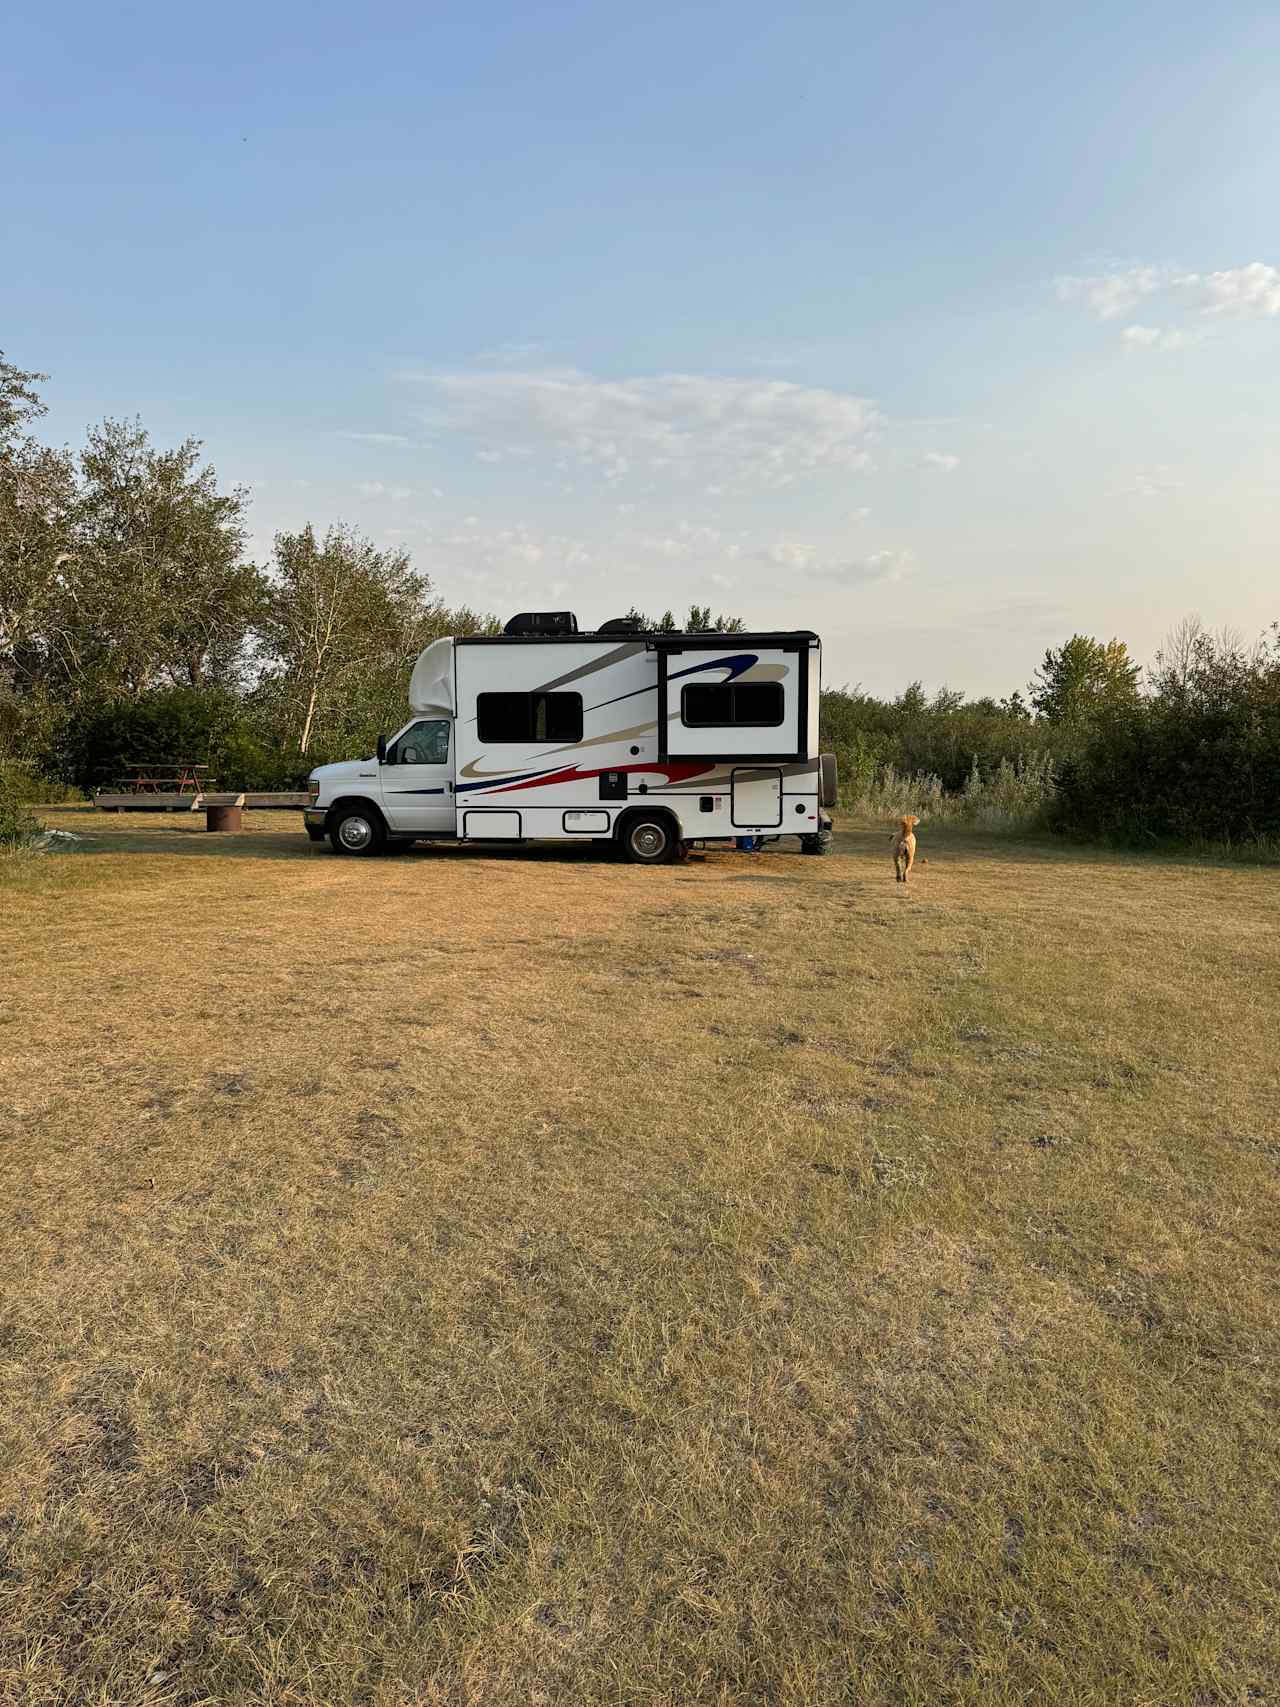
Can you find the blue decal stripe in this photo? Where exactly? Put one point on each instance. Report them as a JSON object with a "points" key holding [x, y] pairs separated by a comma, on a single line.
{"points": [[504, 781], [736, 665]]}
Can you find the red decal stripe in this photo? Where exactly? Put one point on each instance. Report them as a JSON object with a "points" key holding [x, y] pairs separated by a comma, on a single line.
{"points": [[674, 771]]}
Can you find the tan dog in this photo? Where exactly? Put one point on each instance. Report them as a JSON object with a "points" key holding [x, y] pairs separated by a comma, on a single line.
{"points": [[904, 848]]}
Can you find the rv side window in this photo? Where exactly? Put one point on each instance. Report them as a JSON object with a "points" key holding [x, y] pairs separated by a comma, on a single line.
{"points": [[731, 705], [517, 718]]}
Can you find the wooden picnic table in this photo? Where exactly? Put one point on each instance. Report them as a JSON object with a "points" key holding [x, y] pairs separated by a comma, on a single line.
{"points": [[176, 777]]}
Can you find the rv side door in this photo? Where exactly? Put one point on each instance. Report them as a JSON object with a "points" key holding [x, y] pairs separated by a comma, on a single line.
{"points": [[417, 780]]}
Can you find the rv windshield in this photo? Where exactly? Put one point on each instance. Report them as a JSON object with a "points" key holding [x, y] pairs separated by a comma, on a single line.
{"points": [[423, 743]]}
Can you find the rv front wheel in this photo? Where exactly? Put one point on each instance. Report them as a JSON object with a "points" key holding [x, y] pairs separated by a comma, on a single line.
{"points": [[358, 832], [648, 841]]}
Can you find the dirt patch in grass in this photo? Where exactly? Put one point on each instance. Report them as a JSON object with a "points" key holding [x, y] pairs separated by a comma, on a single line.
{"points": [[481, 1278]]}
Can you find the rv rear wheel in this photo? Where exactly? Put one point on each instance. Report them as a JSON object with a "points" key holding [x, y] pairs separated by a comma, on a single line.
{"points": [[648, 841], [357, 831]]}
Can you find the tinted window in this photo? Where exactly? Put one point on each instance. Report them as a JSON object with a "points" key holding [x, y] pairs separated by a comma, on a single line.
{"points": [[522, 717], [731, 705], [424, 743]]}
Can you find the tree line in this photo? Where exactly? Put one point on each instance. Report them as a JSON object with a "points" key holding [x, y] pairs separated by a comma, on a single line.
{"points": [[134, 627], [130, 613]]}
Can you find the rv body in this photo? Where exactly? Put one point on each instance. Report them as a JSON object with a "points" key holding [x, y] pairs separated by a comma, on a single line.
{"points": [[649, 741]]}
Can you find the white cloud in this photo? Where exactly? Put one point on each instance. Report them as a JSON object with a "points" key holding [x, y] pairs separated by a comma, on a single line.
{"points": [[379, 489], [1251, 290], [1155, 338], [1111, 294], [809, 562], [508, 353], [737, 433], [398, 440], [500, 554], [940, 459], [1154, 482], [879, 566]]}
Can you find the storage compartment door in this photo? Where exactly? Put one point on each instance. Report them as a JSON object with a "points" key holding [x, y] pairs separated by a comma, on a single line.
{"points": [[725, 703], [757, 799], [491, 826]]}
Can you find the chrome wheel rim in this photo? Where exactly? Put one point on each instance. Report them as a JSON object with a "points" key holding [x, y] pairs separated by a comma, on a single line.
{"points": [[355, 833], [648, 840]]}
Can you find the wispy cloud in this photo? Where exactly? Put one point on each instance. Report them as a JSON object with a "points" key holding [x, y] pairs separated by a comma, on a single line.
{"points": [[397, 440], [380, 489], [810, 562], [940, 459], [739, 434], [1155, 338], [1112, 294], [512, 354], [1251, 290], [1241, 293], [1154, 482]]}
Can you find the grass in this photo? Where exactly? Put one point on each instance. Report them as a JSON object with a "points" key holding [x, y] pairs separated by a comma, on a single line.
{"points": [[501, 1278]]}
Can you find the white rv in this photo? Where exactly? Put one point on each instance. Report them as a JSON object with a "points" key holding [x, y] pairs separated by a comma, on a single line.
{"points": [[651, 742]]}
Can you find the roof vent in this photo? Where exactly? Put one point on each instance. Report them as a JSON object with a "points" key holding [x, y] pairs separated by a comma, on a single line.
{"points": [[543, 622], [622, 625]]}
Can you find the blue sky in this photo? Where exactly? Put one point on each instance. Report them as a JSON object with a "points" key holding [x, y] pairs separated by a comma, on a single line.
{"points": [[946, 330]]}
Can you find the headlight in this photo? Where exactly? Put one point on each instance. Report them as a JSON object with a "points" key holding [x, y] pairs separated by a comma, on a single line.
{"points": [[313, 788]]}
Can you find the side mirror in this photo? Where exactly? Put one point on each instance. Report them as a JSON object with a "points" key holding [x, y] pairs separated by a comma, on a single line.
{"points": [[382, 749]]}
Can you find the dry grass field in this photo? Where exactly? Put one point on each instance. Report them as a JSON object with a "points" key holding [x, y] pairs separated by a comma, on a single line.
{"points": [[519, 1278]]}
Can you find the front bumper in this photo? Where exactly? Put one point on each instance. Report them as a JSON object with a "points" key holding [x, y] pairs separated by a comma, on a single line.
{"points": [[314, 816]]}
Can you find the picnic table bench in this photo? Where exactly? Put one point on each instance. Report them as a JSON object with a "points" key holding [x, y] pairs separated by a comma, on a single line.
{"points": [[175, 777]]}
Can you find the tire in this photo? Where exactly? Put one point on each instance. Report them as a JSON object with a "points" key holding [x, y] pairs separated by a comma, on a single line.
{"points": [[648, 840], [359, 832], [816, 844]]}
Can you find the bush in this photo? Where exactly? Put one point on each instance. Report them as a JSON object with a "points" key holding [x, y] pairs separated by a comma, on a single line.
{"points": [[939, 737], [1197, 761], [209, 726], [1012, 796], [17, 826], [22, 781]]}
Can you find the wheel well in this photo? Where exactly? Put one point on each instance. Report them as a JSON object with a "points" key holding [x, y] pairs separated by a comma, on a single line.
{"points": [[360, 800], [634, 812]]}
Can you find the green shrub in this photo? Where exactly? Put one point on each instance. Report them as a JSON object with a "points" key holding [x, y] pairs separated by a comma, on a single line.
{"points": [[1196, 762], [1014, 796], [17, 826], [22, 781]]}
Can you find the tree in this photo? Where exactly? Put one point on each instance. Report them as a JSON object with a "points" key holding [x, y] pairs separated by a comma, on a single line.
{"points": [[1083, 680], [20, 402], [37, 505], [339, 615], [162, 594], [699, 621], [912, 702]]}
